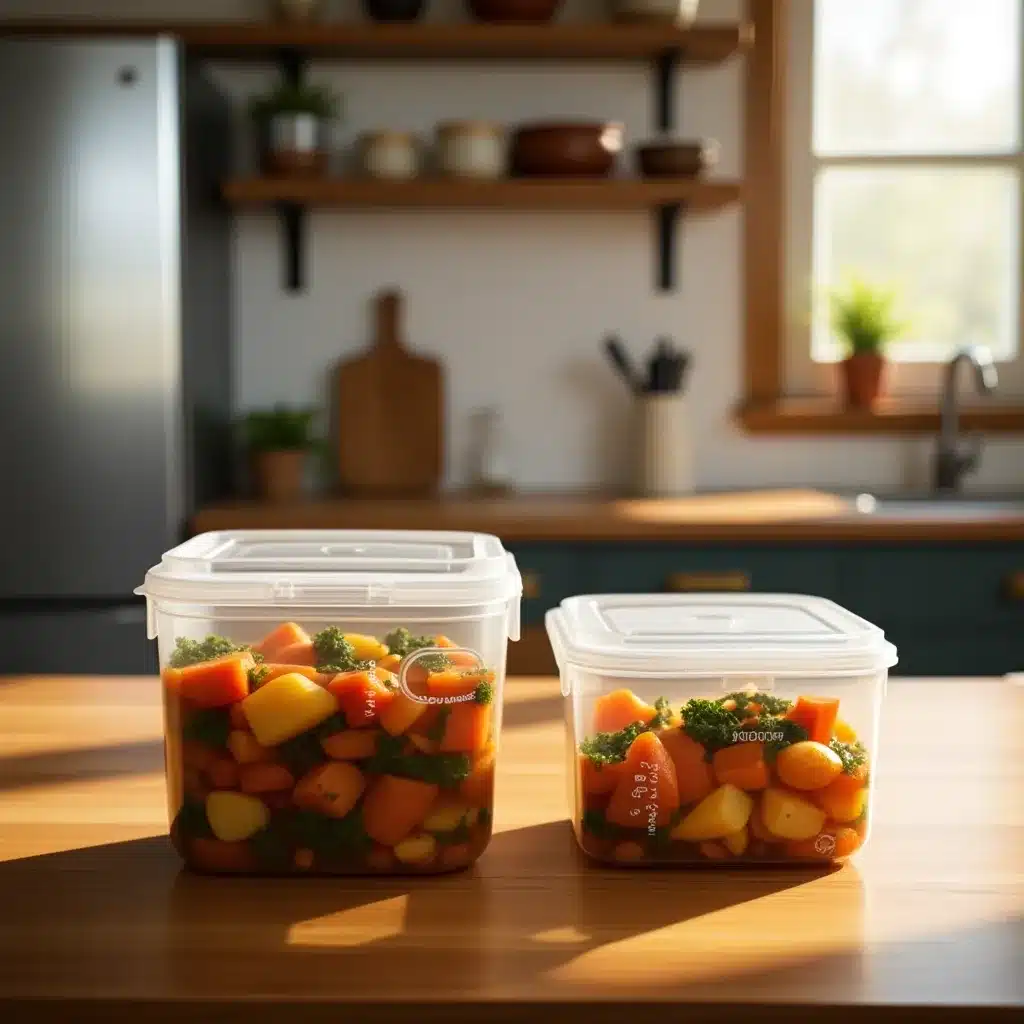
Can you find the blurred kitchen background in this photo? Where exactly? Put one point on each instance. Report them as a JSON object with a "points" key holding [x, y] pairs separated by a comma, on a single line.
{"points": [[633, 384]]}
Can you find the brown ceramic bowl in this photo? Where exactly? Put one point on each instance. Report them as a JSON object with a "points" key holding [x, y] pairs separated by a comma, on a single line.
{"points": [[675, 159], [575, 149], [523, 12]]}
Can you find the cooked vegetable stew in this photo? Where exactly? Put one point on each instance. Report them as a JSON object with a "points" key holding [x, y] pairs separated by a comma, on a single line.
{"points": [[301, 753], [747, 776]]}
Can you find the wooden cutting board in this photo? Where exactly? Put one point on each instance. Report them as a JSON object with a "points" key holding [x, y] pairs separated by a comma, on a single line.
{"points": [[390, 416]]}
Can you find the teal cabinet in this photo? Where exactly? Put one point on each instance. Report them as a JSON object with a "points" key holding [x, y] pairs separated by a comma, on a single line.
{"points": [[950, 609], [675, 568]]}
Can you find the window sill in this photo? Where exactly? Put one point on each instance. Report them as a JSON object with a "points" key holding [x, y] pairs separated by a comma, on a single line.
{"points": [[894, 416]]}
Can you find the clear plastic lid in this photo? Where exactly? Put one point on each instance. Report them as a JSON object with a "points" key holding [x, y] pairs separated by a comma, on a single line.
{"points": [[314, 568], [717, 635]]}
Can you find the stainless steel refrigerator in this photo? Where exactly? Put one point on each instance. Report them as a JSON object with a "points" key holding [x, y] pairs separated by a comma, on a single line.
{"points": [[115, 303]]}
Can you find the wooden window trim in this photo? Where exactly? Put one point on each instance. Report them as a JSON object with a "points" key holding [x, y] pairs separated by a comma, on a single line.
{"points": [[765, 409]]}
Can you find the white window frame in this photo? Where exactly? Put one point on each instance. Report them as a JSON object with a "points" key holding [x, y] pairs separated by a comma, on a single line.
{"points": [[801, 374]]}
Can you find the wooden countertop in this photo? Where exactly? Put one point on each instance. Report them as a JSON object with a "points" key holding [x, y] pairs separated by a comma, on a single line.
{"points": [[926, 921], [754, 516]]}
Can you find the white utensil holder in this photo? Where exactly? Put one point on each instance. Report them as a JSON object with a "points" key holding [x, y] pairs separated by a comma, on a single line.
{"points": [[665, 446]]}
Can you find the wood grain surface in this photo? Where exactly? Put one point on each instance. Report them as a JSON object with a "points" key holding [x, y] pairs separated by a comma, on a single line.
{"points": [[924, 923], [706, 43], [390, 414], [510, 194], [755, 516]]}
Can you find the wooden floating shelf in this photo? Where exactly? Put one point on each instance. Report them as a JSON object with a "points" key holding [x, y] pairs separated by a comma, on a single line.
{"points": [[707, 43], [514, 194]]}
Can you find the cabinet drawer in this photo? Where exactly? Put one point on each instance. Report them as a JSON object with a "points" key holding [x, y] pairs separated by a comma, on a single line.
{"points": [[670, 568], [982, 651], [936, 585], [550, 573]]}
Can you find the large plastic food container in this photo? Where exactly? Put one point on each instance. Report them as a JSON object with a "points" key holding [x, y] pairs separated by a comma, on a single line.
{"points": [[719, 729], [332, 698]]}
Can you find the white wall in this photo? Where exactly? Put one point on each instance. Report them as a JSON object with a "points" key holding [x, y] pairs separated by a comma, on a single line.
{"points": [[516, 304]]}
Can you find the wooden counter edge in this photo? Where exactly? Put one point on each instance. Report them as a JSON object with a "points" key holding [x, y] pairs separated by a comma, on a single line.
{"points": [[257, 1010]]}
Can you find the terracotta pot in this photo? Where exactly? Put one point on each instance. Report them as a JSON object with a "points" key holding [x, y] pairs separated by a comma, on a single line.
{"points": [[514, 11], [279, 476], [863, 379], [584, 149]]}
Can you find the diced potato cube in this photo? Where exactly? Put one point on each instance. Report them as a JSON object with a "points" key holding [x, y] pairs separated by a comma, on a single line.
{"points": [[445, 817], [286, 706], [790, 816], [367, 648], [332, 789], [235, 816], [737, 842], [720, 814], [416, 849]]}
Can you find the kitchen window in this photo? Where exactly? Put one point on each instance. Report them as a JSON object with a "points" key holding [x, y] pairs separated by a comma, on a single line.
{"points": [[905, 136], [884, 140]]}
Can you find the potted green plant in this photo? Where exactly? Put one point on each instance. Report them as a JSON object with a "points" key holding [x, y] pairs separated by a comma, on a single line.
{"points": [[292, 122], [863, 318], [279, 441]]}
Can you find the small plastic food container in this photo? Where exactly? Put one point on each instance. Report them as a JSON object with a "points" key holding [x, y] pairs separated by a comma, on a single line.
{"points": [[332, 698], [719, 729]]}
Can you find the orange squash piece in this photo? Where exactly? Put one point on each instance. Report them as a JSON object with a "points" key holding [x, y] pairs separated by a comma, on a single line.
{"points": [[457, 682], [817, 715], [693, 772], [223, 773], [394, 807], [648, 792], [614, 711], [467, 728], [478, 787], [219, 857], [212, 684], [332, 789], [264, 777], [361, 696], [236, 716], [401, 713], [741, 765], [390, 662], [297, 654], [279, 638], [600, 779], [352, 744]]}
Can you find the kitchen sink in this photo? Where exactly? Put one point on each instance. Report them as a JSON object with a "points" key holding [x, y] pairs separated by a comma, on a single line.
{"points": [[927, 504]]}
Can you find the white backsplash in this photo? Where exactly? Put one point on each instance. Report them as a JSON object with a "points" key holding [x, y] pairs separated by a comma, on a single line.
{"points": [[516, 304]]}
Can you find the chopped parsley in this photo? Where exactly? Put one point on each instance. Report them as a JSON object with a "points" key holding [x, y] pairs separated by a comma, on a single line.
{"points": [[209, 726], [436, 731], [403, 643], [444, 770], [484, 693], [710, 724], [853, 755], [192, 652], [610, 747], [769, 705], [256, 676]]}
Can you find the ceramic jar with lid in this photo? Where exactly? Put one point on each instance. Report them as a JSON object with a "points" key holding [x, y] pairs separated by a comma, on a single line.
{"points": [[471, 149], [389, 155]]}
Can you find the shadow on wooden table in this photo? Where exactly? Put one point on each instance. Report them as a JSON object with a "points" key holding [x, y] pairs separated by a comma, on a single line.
{"points": [[51, 767], [504, 928]]}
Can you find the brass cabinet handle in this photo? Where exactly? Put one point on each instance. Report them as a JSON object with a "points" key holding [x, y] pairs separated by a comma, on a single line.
{"points": [[1013, 586], [531, 584], [707, 582]]}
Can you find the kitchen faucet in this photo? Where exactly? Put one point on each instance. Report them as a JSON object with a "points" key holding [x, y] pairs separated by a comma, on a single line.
{"points": [[953, 459]]}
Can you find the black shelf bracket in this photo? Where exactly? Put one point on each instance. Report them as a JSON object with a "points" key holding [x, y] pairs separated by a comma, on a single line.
{"points": [[668, 217], [666, 66], [293, 63], [293, 224]]}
